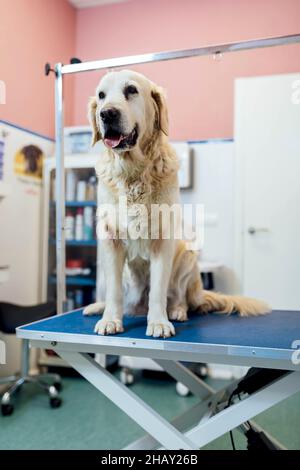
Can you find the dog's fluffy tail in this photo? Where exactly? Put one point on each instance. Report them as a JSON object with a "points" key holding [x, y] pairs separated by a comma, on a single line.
{"points": [[221, 303], [206, 301]]}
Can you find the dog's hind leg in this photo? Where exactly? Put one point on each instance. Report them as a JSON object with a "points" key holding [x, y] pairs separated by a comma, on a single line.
{"points": [[178, 312], [182, 273], [194, 294]]}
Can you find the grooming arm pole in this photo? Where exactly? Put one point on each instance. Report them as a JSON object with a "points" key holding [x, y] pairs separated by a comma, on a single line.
{"points": [[75, 67], [216, 49], [60, 192]]}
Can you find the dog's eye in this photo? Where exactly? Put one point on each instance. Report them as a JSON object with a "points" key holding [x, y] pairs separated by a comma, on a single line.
{"points": [[130, 90], [101, 95]]}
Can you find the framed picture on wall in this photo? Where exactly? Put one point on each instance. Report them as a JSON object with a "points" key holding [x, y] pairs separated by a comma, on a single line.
{"points": [[184, 153]]}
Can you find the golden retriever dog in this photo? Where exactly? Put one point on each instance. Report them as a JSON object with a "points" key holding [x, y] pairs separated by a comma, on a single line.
{"points": [[151, 274]]}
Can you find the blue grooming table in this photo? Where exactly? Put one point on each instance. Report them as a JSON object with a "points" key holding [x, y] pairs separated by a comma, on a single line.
{"points": [[269, 341]]}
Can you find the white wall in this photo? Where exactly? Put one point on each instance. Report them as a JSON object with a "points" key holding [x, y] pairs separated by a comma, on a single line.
{"points": [[213, 186]]}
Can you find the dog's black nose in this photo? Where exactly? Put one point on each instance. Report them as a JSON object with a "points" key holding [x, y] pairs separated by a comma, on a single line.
{"points": [[110, 115]]}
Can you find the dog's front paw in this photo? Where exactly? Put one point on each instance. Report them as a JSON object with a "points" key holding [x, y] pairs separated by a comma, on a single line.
{"points": [[108, 326], [158, 329], [178, 313], [94, 309]]}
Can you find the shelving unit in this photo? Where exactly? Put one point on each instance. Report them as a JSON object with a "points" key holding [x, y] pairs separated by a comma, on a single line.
{"points": [[83, 165], [82, 250]]}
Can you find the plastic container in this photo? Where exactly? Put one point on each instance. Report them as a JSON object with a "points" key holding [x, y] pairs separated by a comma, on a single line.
{"points": [[74, 263], [78, 298], [71, 185], [70, 225], [79, 224], [88, 223], [70, 301], [81, 190], [91, 192]]}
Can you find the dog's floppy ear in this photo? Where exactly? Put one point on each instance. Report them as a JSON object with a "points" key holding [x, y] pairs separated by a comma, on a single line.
{"points": [[92, 106], [161, 109]]}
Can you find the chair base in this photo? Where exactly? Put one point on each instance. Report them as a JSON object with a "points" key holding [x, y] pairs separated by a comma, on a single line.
{"points": [[42, 381]]}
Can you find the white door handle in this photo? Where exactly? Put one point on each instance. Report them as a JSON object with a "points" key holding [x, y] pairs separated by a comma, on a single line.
{"points": [[254, 230]]}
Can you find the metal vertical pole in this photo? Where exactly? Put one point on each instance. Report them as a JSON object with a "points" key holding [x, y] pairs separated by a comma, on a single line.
{"points": [[25, 358], [60, 193]]}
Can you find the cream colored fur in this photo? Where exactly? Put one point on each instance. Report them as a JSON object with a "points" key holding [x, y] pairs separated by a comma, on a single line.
{"points": [[157, 277]]}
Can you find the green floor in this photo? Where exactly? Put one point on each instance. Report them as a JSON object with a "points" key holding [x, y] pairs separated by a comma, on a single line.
{"points": [[88, 420]]}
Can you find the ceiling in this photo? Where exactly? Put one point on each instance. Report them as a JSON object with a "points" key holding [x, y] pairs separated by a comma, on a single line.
{"points": [[93, 3]]}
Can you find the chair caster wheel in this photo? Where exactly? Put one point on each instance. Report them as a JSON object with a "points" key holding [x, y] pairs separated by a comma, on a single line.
{"points": [[55, 402], [58, 386], [126, 376], [7, 409], [182, 390]]}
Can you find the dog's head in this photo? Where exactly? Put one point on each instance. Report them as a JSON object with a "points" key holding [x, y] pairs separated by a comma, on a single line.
{"points": [[128, 109]]}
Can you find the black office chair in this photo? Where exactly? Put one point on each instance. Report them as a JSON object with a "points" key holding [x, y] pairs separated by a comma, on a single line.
{"points": [[12, 316]]}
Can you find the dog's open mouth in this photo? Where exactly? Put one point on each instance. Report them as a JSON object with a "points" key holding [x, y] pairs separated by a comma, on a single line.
{"points": [[114, 139]]}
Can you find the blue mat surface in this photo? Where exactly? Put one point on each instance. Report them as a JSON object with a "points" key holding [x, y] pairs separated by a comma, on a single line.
{"points": [[276, 330]]}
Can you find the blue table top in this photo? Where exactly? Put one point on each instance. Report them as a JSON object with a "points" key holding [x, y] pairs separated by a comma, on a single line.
{"points": [[277, 330]]}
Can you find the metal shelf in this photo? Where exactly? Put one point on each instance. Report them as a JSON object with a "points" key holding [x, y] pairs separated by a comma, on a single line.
{"points": [[78, 203], [76, 281], [76, 242]]}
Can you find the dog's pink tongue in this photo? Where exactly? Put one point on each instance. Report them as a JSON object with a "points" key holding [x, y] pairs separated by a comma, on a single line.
{"points": [[113, 142]]}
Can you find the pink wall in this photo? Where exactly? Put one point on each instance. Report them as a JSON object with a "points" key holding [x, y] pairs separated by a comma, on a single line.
{"points": [[31, 33], [200, 91]]}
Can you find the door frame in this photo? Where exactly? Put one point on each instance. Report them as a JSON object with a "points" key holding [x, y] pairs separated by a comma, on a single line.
{"points": [[238, 206]]}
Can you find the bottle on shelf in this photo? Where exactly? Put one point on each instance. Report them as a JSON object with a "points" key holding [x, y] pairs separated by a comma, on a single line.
{"points": [[70, 301], [91, 191], [79, 224], [78, 298], [71, 180], [81, 190], [88, 223], [70, 225]]}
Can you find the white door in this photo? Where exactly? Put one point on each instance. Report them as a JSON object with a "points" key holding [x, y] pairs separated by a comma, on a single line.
{"points": [[267, 135]]}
